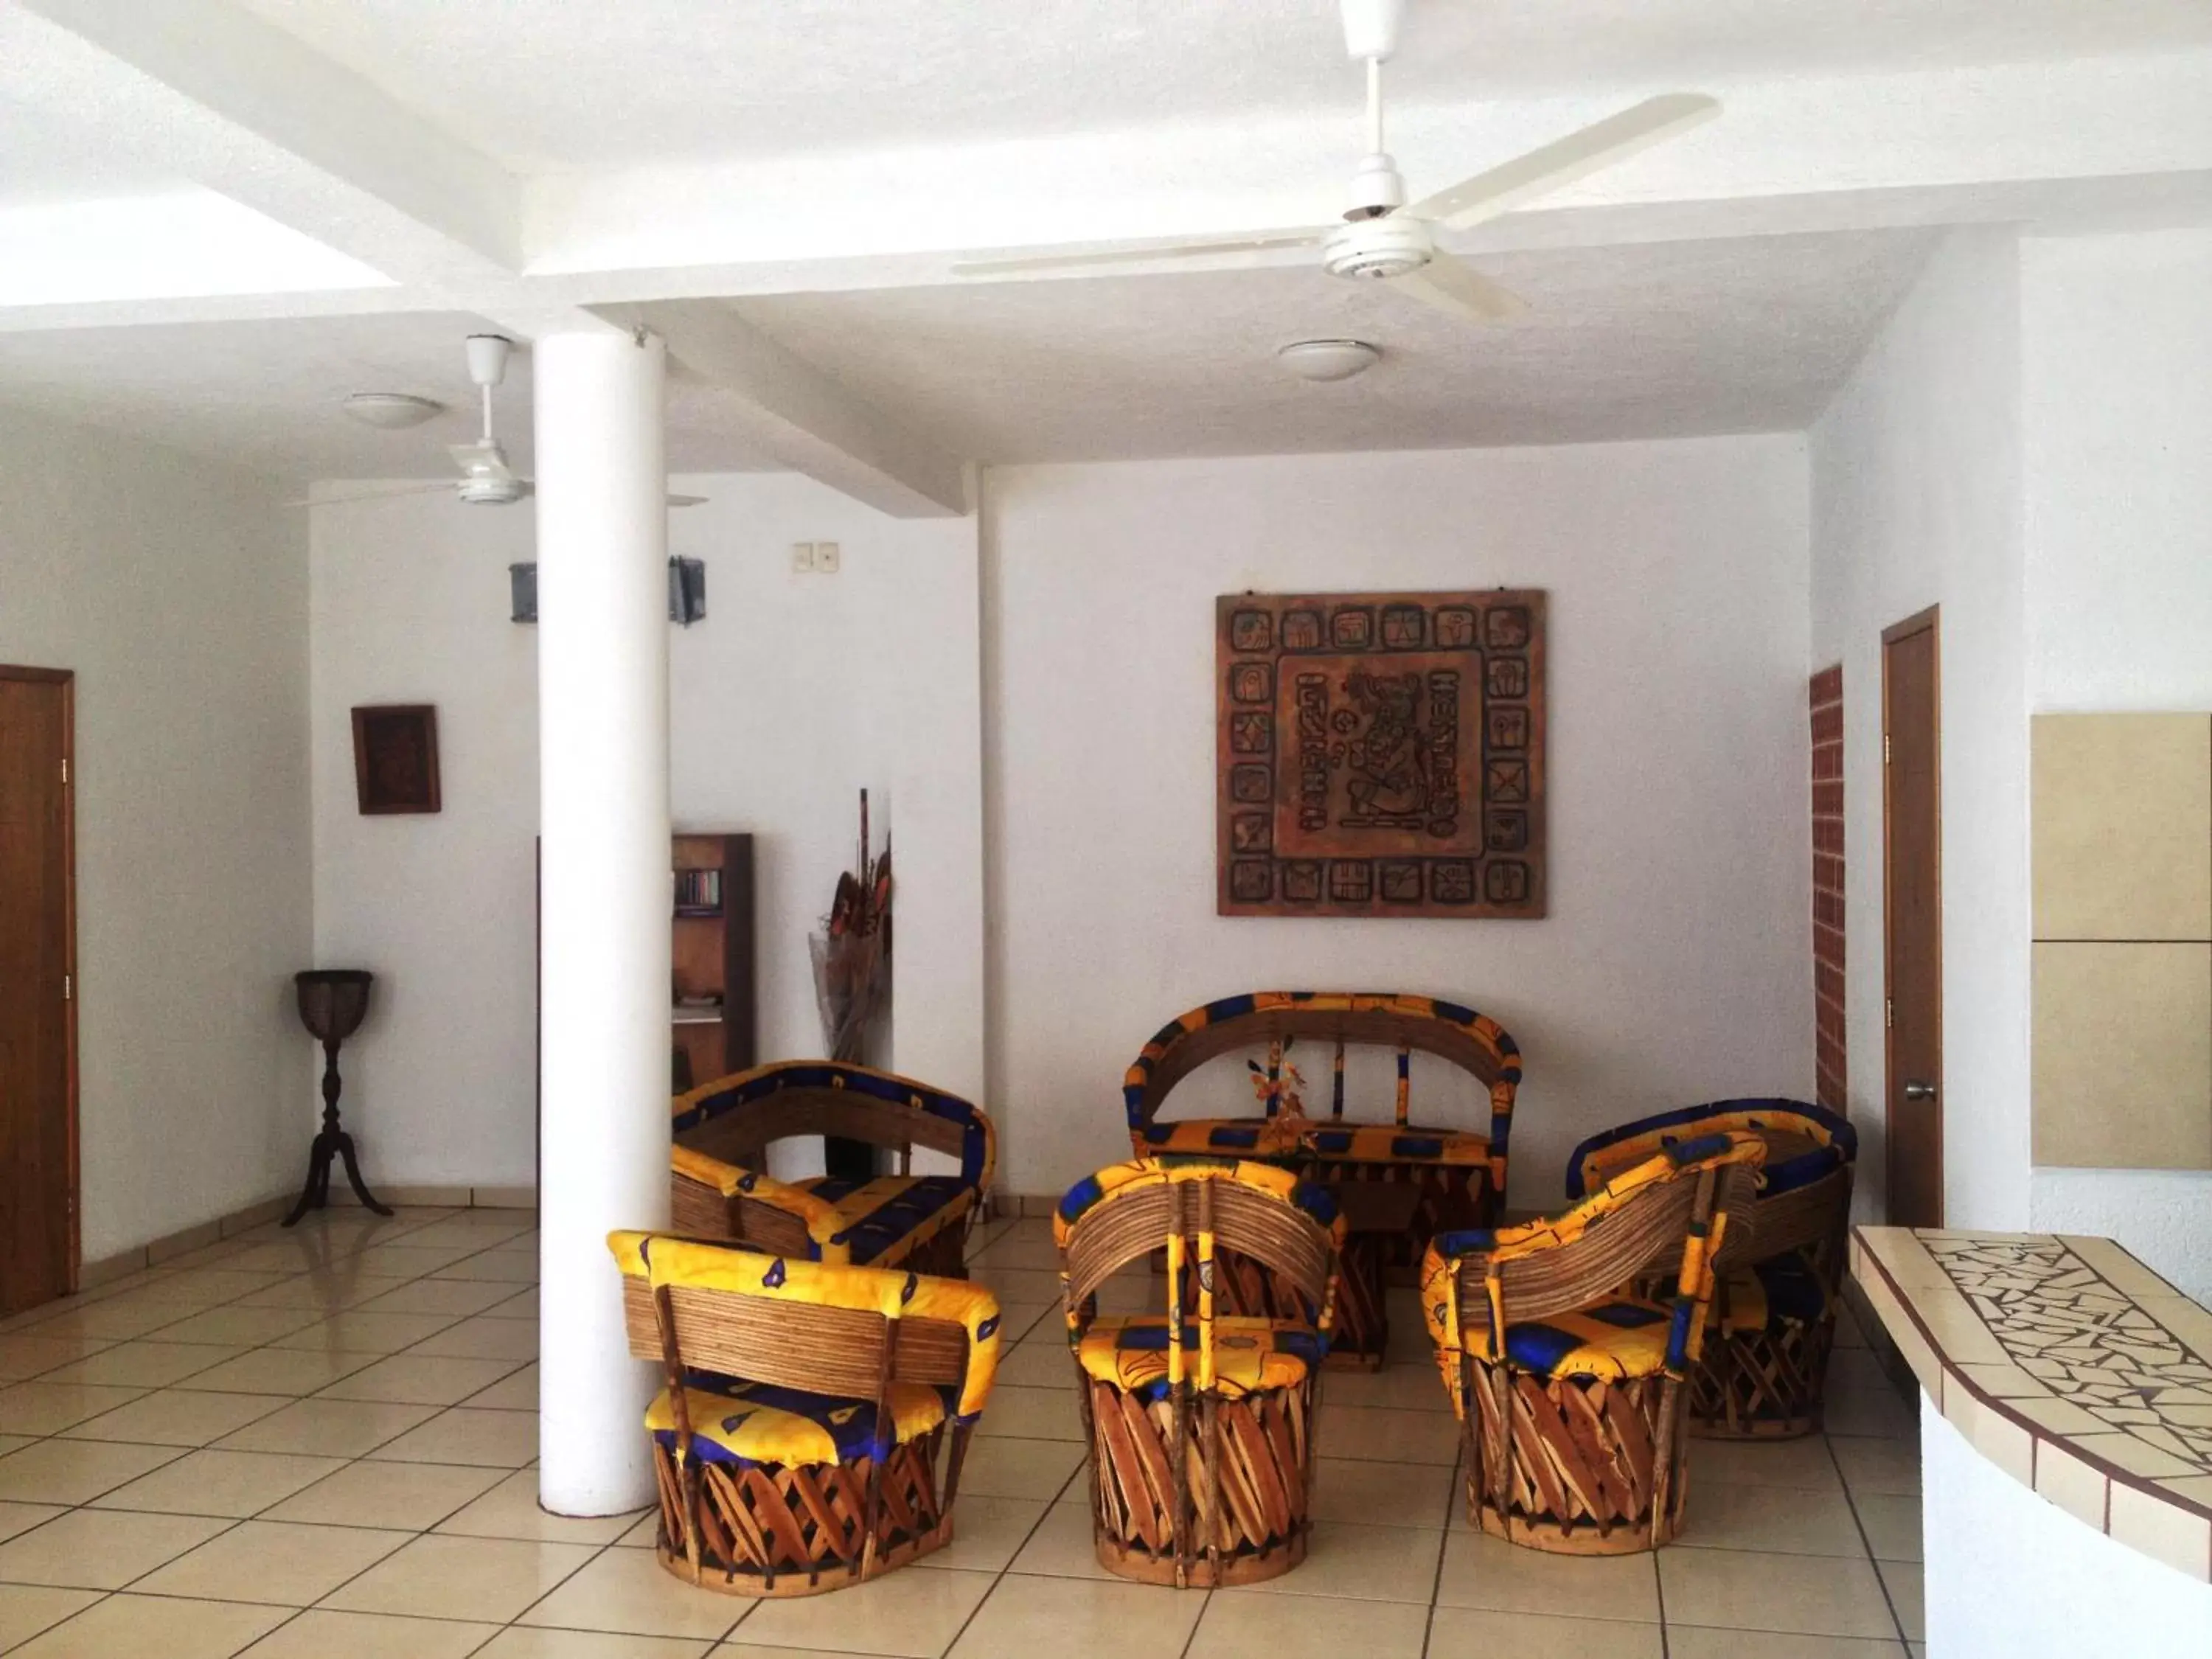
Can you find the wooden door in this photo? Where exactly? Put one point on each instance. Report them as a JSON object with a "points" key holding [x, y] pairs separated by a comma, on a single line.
{"points": [[1912, 935], [38, 1024]]}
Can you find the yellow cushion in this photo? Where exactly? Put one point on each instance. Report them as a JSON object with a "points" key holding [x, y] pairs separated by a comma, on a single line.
{"points": [[1130, 1352], [737, 1421], [1389, 1143], [1621, 1338]]}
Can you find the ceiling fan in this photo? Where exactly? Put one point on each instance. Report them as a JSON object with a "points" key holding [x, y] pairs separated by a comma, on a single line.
{"points": [[1385, 240], [486, 478]]}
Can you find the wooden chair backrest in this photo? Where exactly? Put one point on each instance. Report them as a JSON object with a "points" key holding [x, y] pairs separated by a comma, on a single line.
{"points": [[1382, 1027], [1132, 1225], [1647, 1233], [794, 1345], [1818, 1213], [741, 1136]]}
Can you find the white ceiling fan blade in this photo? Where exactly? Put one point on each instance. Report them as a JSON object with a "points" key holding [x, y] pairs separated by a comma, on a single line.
{"points": [[1556, 165], [1131, 253], [390, 492], [1461, 289]]}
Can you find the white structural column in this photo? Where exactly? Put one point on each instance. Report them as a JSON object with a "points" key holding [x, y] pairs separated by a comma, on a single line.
{"points": [[603, 804]]}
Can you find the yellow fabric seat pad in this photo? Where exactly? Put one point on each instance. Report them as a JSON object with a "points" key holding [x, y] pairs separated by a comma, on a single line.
{"points": [[774, 1426], [1130, 1352]]}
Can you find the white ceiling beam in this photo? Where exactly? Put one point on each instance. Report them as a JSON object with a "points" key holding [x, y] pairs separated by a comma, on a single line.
{"points": [[210, 92], [791, 411]]}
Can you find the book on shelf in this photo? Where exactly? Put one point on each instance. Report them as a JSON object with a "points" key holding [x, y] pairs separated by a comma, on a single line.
{"points": [[698, 892]]}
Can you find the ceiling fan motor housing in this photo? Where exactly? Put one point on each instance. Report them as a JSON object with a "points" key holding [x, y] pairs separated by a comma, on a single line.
{"points": [[1376, 189], [1378, 248]]}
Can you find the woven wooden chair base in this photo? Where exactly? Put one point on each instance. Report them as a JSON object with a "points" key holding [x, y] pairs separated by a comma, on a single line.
{"points": [[1253, 1528], [1762, 1385], [797, 1530], [1581, 1473]]}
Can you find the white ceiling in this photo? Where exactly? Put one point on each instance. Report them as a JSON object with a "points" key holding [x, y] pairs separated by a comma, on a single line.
{"points": [[1658, 340], [553, 84], [264, 396], [41, 164], [1650, 341], [212, 229]]}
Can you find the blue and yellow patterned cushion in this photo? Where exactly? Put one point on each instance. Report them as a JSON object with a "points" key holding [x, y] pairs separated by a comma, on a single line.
{"points": [[1389, 1143], [737, 1422], [1235, 1137], [1611, 1340], [886, 1219], [1767, 1295], [1130, 1352]]}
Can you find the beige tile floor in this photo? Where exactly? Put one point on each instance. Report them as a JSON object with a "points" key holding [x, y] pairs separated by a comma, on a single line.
{"points": [[318, 1445]]}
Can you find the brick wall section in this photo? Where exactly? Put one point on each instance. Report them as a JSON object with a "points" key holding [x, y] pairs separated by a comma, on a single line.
{"points": [[1826, 700]]}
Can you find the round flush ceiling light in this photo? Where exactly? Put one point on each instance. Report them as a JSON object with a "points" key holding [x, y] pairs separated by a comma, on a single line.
{"points": [[1327, 360], [391, 411]]}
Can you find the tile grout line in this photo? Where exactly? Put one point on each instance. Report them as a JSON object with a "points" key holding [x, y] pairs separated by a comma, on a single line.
{"points": [[1452, 1487], [1851, 1499], [236, 1521], [1000, 1578]]}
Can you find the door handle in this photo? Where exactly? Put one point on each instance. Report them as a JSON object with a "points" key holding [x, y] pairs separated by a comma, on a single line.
{"points": [[1920, 1091]]}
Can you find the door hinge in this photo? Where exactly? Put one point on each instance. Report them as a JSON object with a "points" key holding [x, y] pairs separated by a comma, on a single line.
{"points": [[1888, 1013], [69, 987], [64, 768], [1884, 749]]}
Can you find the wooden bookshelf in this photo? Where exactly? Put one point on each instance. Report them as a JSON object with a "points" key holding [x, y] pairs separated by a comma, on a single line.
{"points": [[712, 896]]}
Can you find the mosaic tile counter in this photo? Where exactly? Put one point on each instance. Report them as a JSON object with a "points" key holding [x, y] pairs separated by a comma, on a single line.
{"points": [[2062, 1367]]}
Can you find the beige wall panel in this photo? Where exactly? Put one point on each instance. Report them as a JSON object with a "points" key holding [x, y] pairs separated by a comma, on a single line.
{"points": [[2122, 1043], [2122, 814]]}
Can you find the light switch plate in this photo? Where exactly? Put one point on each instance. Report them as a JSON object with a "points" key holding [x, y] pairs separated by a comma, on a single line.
{"points": [[802, 556], [826, 557]]}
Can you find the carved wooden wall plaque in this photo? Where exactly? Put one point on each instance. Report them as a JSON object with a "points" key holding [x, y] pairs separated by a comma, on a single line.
{"points": [[1380, 754]]}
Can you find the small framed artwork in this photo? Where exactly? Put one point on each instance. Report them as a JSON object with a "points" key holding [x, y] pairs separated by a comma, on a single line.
{"points": [[395, 757]]}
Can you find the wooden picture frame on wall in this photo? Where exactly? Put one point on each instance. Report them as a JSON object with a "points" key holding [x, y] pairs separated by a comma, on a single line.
{"points": [[1380, 754], [395, 757]]}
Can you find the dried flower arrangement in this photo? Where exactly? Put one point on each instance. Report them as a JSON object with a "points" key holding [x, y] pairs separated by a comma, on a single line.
{"points": [[852, 954]]}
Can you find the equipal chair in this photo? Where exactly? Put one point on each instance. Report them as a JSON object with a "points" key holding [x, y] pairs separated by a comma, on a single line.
{"points": [[1202, 1426], [1764, 1371], [1397, 1183], [721, 1188], [796, 1442], [1532, 1330]]}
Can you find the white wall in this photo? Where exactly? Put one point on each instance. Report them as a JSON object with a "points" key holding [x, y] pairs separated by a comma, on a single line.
{"points": [[2117, 385], [1675, 964], [2009, 1573], [793, 693], [174, 589], [1916, 487]]}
